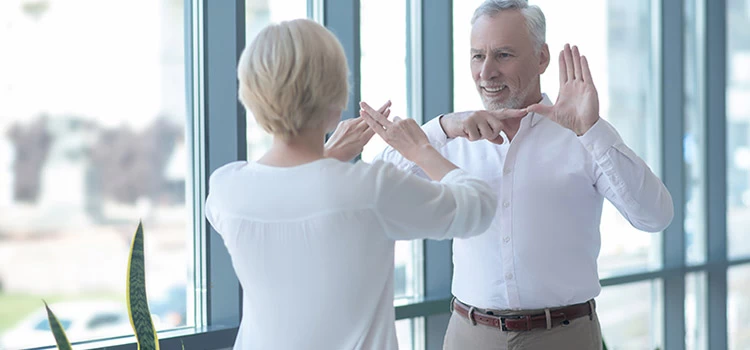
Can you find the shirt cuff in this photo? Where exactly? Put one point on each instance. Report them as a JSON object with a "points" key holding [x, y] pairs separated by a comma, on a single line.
{"points": [[435, 133], [600, 138], [453, 175]]}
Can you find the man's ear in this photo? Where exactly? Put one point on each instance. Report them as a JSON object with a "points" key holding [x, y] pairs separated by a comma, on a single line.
{"points": [[543, 59]]}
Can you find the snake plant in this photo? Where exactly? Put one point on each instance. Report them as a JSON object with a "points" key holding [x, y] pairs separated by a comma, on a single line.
{"points": [[57, 330], [138, 310]]}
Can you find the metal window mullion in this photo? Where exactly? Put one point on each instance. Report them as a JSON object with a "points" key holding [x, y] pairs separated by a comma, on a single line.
{"points": [[225, 137], [195, 135], [342, 18], [673, 174], [716, 170], [437, 98]]}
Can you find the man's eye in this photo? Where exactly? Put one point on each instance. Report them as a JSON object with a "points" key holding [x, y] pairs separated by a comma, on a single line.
{"points": [[503, 55], [476, 57]]}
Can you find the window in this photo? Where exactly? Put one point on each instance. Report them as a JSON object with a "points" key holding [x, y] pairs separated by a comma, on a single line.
{"points": [[630, 315], [465, 95], [738, 302], [385, 70], [628, 100], [694, 138], [696, 334], [738, 127], [106, 320], [384, 75], [405, 334], [92, 139]]}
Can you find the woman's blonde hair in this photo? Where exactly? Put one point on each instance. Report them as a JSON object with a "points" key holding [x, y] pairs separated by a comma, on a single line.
{"points": [[292, 76]]}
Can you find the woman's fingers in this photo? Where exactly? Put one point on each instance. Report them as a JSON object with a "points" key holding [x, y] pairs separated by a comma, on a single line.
{"points": [[377, 116]]}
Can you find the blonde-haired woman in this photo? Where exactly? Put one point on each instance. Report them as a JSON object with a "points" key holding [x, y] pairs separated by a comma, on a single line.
{"points": [[311, 236]]}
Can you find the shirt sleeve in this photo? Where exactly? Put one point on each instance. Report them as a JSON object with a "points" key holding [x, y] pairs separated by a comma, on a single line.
{"points": [[410, 207], [435, 135], [626, 180], [213, 205]]}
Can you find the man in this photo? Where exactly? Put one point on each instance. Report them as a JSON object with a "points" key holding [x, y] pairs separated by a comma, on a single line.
{"points": [[530, 281]]}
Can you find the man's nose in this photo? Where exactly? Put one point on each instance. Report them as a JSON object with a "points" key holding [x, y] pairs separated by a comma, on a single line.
{"points": [[489, 70]]}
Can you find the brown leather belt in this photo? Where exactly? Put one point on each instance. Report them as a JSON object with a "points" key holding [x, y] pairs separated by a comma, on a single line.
{"points": [[557, 316]]}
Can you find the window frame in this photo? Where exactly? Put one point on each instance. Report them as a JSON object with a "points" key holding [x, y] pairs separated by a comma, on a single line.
{"points": [[214, 38]]}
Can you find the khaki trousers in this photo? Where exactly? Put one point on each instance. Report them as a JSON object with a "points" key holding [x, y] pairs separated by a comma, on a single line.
{"points": [[582, 333]]}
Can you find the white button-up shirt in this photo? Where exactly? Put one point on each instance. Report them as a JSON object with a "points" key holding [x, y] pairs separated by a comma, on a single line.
{"points": [[541, 250]]}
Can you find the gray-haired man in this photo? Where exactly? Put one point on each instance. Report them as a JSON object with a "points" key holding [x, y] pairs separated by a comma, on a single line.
{"points": [[530, 281]]}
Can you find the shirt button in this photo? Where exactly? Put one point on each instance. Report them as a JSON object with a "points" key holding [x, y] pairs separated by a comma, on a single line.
{"points": [[508, 276], [507, 171], [506, 204], [506, 239]]}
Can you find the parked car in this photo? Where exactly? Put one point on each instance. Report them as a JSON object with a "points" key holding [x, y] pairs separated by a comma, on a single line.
{"points": [[82, 320]]}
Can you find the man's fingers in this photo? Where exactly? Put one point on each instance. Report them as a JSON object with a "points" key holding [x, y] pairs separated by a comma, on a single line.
{"points": [[472, 131], [577, 63], [499, 140], [485, 131], [541, 109], [509, 113], [586, 71], [563, 69], [568, 57], [377, 116], [497, 126]]}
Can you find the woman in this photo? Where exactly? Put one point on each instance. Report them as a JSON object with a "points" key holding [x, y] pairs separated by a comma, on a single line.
{"points": [[312, 237]]}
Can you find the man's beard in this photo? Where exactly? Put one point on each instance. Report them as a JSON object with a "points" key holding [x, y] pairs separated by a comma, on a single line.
{"points": [[514, 100]]}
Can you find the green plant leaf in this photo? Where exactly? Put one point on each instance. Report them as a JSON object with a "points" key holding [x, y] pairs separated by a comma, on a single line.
{"points": [[57, 330], [140, 316]]}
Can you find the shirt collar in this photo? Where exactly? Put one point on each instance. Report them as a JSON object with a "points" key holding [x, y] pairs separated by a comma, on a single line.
{"points": [[535, 118]]}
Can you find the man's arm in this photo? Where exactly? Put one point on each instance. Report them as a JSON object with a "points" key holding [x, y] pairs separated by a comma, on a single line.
{"points": [[626, 180], [621, 176], [473, 125]]}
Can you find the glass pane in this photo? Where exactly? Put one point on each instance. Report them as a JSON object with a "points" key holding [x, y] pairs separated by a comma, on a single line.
{"points": [[465, 95], [631, 315], [694, 138], [619, 34], [384, 75], [738, 302], [405, 334], [92, 139], [384, 61], [696, 325], [738, 127], [259, 14]]}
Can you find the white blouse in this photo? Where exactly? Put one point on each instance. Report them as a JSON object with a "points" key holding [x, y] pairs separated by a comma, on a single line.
{"points": [[313, 245]]}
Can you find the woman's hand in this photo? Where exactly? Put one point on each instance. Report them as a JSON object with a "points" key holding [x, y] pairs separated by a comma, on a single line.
{"points": [[404, 135], [407, 138], [351, 136]]}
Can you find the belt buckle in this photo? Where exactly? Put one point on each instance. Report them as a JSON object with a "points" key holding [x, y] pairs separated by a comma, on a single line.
{"points": [[503, 318]]}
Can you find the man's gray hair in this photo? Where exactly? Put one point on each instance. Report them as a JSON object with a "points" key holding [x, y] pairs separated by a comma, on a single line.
{"points": [[534, 17]]}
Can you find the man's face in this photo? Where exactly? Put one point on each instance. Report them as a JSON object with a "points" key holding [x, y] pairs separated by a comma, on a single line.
{"points": [[504, 65]]}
